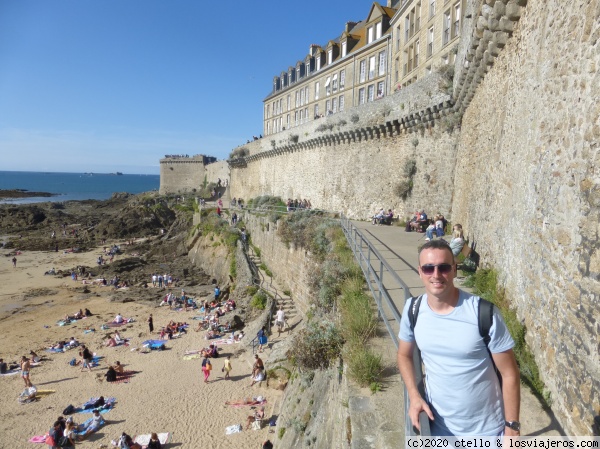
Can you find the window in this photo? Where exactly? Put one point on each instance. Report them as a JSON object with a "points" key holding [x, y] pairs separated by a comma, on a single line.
{"points": [[431, 8], [334, 105], [363, 68], [334, 82], [328, 86], [430, 42], [306, 94], [361, 95], [429, 70], [405, 64], [306, 114], [382, 61], [396, 65], [329, 56], [296, 118], [316, 91], [318, 62], [297, 99], [380, 89], [342, 79], [446, 59], [446, 33], [288, 121], [316, 111], [456, 20], [344, 48], [267, 128], [406, 28], [301, 97], [371, 92], [301, 116], [369, 35], [341, 101], [328, 107], [418, 17], [416, 53], [378, 30], [289, 101], [372, 67], [398, 38]]}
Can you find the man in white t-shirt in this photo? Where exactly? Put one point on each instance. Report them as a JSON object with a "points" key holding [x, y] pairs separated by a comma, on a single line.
{"points": [[280, 320], [463, 396]]}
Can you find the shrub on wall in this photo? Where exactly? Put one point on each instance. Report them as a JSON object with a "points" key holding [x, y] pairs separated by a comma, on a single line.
{"points": [[239, 152], [354, 118], [317, 346]]}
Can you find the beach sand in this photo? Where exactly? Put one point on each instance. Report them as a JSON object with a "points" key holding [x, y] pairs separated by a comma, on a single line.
{"points": [[166, 395]]}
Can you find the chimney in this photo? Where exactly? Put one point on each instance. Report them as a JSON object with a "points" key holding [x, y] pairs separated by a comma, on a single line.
{"points": [[350, 25]]}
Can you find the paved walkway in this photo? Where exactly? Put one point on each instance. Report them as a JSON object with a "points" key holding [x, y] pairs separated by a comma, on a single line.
{"points": [[400, 249]]}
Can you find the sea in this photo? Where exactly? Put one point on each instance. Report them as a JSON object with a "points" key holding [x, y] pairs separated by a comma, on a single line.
{"points": [[74, 186]]}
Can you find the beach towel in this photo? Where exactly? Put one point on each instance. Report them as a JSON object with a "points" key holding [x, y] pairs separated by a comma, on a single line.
{"points": [[12, 372], [154, 344], [143, 440], [192, 356], [38, 439], [262, 402], [87, 407], [56, 350], [224, 341], [193, 351], [236, 428]]}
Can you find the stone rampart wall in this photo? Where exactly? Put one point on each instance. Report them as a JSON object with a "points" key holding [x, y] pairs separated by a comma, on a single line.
{"points": [[292, 266], [216, 170], [358, 178], [180, 175], [527, 187]]}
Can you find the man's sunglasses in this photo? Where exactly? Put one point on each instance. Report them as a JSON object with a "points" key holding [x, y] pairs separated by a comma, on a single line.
{"points": [[443, 268]]}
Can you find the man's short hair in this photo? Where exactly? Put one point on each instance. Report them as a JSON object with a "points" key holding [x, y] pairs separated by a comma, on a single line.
{"points": [[436, 244]]}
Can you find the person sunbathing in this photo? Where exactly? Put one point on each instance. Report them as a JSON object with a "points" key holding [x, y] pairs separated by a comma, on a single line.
{"points": [[111, 374], [110, 342], [118, 338], [259, 376], [118, 319], [248, 401], [94, 425], [118, 367], [257, 417]]}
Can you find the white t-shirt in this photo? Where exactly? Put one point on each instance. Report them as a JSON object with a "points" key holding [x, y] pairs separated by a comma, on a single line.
{"points": [[280, 316], [462, 387]]}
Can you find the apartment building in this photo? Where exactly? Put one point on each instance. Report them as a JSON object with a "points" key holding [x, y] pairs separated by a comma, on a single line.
{"points": [[350, 70], [425, 35]]}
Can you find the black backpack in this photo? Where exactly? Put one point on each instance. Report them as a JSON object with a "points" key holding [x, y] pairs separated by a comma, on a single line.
{"points": [[69, 410], [485, 319]]}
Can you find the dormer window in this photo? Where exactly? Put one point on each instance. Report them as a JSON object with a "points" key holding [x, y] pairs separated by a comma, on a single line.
{"points": [[369, 35], [344, 48], [318, 63], [378, 30], [329, 56]]}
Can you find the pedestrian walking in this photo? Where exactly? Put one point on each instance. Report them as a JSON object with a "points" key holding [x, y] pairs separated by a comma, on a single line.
{"points": [[14, 261], [227, 367], [206, 369], [150, 324]]}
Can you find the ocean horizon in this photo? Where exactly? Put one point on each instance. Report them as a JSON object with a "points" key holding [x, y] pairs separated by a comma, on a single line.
{"points": [[74, 186]]}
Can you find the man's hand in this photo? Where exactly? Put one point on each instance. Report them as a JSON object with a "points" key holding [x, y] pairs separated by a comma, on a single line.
{"points": [[418, 405]]}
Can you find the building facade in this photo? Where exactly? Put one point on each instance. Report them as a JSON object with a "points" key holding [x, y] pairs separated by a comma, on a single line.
{"points": [[393, 47], [350, 70], [425, 35]]}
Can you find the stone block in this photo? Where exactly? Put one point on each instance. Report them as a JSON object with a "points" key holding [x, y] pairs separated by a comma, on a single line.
{"points": [[513, 10], [507, 25], [499, 10]]}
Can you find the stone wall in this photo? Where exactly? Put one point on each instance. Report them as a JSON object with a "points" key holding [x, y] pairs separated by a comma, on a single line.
{"points": [[291, 266], [181, 174], [527, 189], [216, 170]]}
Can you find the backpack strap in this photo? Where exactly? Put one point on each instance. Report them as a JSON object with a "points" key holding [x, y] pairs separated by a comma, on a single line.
{"points": [[486, 318], [413, 311]]}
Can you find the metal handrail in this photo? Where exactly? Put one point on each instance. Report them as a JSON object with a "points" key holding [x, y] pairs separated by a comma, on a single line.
{"points": [[363, 251]]}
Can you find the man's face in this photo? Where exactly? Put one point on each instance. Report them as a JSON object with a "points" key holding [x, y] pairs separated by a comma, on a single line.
{"points": [[437, 283]]}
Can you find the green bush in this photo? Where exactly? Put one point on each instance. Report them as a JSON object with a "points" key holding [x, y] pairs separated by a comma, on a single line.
{"points": [[251, 290], [364, 365], [267, 202], [316, 346], [485, 284], [259, 300], [359, 320], [268, 272]]}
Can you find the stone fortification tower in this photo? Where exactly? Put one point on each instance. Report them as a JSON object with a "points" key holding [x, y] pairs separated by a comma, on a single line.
{"points": [[182, 173]]}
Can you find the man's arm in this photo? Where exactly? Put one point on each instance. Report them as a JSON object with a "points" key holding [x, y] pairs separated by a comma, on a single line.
{"points": [[511, 386], [407, 371]]}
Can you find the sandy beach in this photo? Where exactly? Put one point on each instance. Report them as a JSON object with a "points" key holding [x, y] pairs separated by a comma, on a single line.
{"points": [[167, 393]]}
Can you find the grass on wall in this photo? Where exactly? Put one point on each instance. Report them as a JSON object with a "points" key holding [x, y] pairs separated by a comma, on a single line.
{"points": [[485, 284]]}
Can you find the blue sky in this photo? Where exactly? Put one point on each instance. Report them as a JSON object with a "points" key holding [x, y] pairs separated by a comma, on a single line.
{"points": [[114, 85]]}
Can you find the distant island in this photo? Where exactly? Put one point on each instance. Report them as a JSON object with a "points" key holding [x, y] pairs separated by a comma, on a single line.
{"points": [[22, 193]]}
